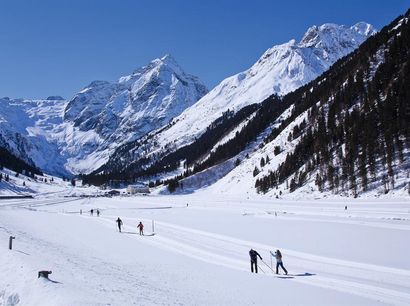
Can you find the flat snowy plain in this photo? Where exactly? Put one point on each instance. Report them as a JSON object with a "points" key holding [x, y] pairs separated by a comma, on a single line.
{"points": [[199, 254]]}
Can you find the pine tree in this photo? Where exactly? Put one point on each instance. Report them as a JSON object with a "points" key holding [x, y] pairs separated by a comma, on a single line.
{"points": [[362, 170], [292, 185], [255, 171]]}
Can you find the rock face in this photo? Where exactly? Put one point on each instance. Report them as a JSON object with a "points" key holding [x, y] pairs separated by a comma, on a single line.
{"points": [[54, 98]]}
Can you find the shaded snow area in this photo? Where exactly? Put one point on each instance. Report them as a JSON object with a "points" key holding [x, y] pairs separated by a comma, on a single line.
{"points": [[199, 253], [223, 177], [41, 186], [33, 131], [239, 180]]}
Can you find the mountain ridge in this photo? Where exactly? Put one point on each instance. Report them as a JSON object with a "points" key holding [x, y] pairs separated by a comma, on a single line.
{"points": [[83, 131], [279, 70], [346, 133]]}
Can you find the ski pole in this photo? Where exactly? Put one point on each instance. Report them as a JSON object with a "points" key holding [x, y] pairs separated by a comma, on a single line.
{"points": [[271, 261], [267, 265], [261, 269]]}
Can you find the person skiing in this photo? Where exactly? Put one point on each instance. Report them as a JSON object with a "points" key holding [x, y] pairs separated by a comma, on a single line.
{"points": [[278, 256], [141, 228], [98, 212], [92, 211], [254, 260], [119, 223]]}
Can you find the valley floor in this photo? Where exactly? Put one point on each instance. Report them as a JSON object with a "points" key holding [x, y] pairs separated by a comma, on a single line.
{"points": [[199, 253]]}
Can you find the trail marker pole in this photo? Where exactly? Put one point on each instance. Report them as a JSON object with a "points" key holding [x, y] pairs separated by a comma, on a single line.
{"points": [[153, 230], [11, 242]]}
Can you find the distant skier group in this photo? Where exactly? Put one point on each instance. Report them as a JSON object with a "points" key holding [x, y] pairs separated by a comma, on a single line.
{"points": [[254, 260], [140, 226], [97, 211]]}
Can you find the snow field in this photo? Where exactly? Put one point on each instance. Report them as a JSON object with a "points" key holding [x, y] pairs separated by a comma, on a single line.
{"points": [[199, 253]]}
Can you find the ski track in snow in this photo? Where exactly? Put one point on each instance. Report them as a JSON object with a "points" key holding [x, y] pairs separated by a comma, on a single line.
{"points": [[370, 281], [290, 213], [30, 204], [379, 283]]}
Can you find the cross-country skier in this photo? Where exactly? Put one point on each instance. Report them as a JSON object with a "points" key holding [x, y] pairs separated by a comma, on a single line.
{"points": [[92, 212], [141, 228], [98, 212], [254, 260], [278, 256], [119, 223]]}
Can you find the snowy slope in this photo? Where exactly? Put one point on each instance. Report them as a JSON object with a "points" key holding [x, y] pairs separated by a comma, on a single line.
{"points": [[242, 181], [41, 186], [281, 69], [28, 130], [79, 135]]}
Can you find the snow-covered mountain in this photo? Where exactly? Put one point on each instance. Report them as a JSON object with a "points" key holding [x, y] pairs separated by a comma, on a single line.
{"points": [[144, 100], [281, 69], [105, 115], [344, 134], [82, 133]]}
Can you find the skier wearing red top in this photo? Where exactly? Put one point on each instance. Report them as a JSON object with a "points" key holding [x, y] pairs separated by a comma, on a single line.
{"points": [[141, 228]]}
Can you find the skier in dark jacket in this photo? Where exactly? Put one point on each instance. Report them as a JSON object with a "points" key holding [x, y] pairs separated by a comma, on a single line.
{"points": [[141, 228], [119, 223], [278, 256], [254, 260]]}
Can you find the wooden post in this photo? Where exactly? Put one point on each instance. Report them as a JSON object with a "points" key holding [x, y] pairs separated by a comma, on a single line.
{"points": [[11, 242]]}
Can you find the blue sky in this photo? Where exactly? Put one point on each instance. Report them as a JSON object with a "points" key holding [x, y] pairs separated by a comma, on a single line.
{"points": [[58, 47]]}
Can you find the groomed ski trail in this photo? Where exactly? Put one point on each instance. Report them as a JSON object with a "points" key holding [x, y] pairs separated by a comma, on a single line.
{"points": [[380, 283]]}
